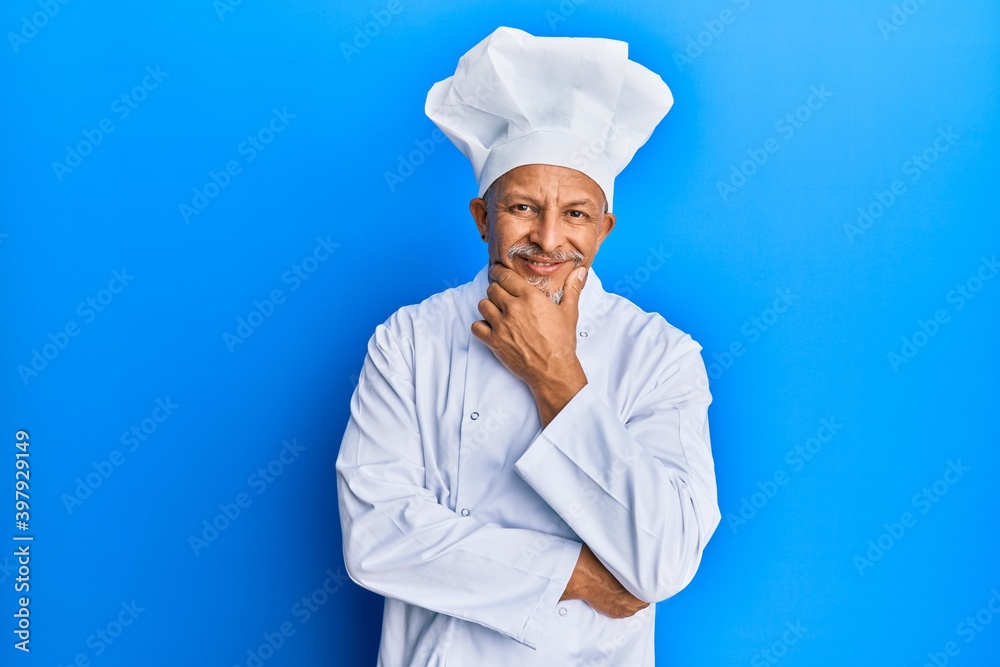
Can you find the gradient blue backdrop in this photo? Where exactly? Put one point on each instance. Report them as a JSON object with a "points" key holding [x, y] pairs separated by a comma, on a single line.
{"points": [[893, 110]]}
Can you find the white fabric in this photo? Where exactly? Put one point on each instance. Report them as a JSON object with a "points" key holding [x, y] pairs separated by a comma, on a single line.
{"points": [[471, 527], [575, 102]]}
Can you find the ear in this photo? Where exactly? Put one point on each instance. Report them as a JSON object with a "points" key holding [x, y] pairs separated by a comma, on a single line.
{"points": [[477, 207]]}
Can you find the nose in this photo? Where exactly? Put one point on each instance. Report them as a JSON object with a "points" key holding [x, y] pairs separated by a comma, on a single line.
{"points": [[547, 231]]}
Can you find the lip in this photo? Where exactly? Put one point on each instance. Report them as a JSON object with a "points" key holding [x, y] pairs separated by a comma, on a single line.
{"points": [[541, 270]]}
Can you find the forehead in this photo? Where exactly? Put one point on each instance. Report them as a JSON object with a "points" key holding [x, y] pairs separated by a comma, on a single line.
{"points": [[551, 183]]}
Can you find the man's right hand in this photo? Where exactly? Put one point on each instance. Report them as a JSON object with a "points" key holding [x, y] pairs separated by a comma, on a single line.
{"points": [[595, 585]]}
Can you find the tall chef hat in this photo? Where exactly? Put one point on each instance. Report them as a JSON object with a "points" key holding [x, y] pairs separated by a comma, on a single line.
{"points": [[575, 102]]}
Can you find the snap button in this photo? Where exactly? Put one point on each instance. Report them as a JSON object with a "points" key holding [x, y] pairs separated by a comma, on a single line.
{"points": [[465, 512], [474, 416], [583, 334], [562, 611]]}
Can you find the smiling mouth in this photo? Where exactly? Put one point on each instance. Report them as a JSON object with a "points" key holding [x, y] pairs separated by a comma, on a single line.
{"points": [[541, 267]]}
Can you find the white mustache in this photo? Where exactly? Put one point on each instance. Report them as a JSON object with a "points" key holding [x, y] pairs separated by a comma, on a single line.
{"points": [[533, 250]]}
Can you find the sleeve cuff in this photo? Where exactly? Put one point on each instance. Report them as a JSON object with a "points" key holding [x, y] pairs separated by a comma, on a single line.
{"points": [[539, 619], [560, 428]]}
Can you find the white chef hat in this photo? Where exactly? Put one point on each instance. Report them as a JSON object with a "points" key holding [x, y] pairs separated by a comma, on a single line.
{"points": [[575, 102]]}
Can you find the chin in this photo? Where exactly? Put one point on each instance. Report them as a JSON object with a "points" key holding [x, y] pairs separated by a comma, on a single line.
{"points": [[544, 285]]}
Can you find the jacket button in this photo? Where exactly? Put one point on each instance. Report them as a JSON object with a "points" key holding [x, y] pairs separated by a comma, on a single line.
{"points": [[562, 611], [474, 416], [583, 334], [465, 512]]}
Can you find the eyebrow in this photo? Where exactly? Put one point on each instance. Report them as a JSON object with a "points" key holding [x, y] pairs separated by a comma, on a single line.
{"points": [[583, 202], [521, 195]]}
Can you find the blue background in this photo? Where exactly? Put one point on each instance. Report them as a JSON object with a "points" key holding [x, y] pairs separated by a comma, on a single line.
{"points": [[355, 166]]}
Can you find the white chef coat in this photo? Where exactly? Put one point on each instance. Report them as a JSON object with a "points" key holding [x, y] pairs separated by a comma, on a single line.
{"points": [[468, 517]]}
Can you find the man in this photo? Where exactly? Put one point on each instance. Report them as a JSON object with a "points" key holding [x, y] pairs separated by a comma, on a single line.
{"points": [[527, 468]]}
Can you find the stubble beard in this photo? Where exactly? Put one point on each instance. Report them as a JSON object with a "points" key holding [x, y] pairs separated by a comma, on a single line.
{"points": [[543, 282]]}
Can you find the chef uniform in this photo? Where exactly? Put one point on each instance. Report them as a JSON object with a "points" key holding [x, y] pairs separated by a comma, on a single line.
{"points": [[455, 503]]}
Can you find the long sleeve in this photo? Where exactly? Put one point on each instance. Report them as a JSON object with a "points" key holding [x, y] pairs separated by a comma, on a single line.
{"points": [[640, 493], [402, 542]]}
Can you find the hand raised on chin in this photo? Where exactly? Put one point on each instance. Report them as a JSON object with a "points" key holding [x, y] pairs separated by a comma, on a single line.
{"points": [[534, 337]]}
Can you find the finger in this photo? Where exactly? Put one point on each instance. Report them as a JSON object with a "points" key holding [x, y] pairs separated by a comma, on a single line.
{"points": [[490, 312], [509, 280], [482, 331], [498, 296], [574, 287]]}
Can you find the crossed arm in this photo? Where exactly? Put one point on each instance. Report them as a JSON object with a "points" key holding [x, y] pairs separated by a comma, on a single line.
{"points": [[641, 510], [536, 340]]}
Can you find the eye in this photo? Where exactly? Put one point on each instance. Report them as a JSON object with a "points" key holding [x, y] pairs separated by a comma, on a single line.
{"points": [[521, 209], [577, 214]]}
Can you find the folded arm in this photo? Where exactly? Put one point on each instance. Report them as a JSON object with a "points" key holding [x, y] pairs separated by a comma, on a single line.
{"points": [[401, 542], [639, 492]]}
